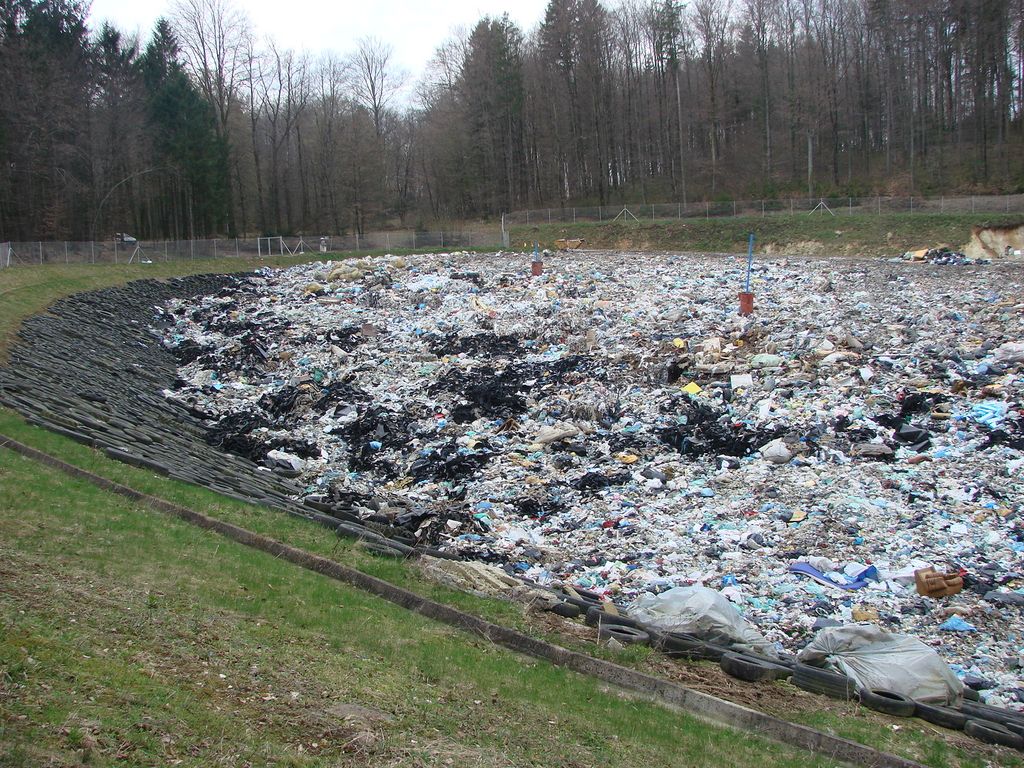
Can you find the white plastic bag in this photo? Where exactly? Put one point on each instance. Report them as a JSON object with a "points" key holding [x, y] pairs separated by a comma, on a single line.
{"points": [[704, 613], [875, 658], [1010, 352]]}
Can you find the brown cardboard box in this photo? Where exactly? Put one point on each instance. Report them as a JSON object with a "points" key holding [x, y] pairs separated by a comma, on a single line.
{"points": [[932, 583]]}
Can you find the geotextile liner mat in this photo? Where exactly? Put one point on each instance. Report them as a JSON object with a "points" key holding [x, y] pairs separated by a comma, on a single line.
{"points": [[108, 393]]}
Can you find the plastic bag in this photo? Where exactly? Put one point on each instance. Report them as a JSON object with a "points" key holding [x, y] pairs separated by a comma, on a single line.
{"points": [[704, 613], [1010, 352], [875, 658]]}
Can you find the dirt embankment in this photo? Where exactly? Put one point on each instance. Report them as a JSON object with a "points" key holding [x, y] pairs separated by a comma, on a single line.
{"points": [[996, 242], [796, 235]]}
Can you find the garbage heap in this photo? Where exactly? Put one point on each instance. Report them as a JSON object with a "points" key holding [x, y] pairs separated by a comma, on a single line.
{"points": [[943, 256], [614, 424]]}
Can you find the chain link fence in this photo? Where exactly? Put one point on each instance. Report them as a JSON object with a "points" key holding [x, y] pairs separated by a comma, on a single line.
{"points": [[13, 254], [824, 206]]}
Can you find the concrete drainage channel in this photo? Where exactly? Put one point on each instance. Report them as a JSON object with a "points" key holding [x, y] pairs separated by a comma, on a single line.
{"points": [[655, 689]]}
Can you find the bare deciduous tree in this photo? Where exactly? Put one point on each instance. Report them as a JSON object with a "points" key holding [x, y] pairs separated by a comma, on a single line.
{"points": [[215, 41], [711, 20], [376, 80]]}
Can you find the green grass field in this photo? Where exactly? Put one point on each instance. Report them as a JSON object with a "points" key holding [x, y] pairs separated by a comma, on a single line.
{"points": [[129, 638]]}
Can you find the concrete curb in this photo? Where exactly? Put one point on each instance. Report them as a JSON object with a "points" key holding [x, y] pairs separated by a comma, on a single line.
{"points": [[701, 705]]}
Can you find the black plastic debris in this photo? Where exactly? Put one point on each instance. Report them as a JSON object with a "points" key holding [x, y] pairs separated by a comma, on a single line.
{"points": [[448, 462], [702, 431], [597, 481]]}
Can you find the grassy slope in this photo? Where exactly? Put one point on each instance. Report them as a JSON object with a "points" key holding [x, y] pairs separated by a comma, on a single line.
{"points": [[801, 234], [131, 638], [36, 288]]}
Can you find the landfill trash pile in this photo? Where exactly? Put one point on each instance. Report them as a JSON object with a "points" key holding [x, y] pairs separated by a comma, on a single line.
{"points": [[942, 257], [92, 369], [614, 424]]}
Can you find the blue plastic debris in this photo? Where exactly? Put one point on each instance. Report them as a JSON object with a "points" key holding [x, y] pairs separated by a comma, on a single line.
{"points": [[956, 624]]}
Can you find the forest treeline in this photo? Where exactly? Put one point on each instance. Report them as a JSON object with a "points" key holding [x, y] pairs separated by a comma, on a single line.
{"points": [[205, 129]]}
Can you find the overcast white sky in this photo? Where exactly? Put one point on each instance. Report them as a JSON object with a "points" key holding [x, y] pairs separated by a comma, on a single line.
{"points": [[414, 29]]}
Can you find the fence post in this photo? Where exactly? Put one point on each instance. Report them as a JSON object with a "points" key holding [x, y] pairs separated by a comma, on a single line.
{"points": [[92, 244], [40, 251], [878, 202], [65, 251], [598, 213], [115, 250], [215, 247], [851, 206], [679, 212], [733, 207], [573, 215], [707, 210], [972, 203], [280, 244], [442, 231], [236, 247], [762, 209], [527, 217], [791, 206], [387, 240], [357, 239], [549, 218], [165, 251], [911, 203]]}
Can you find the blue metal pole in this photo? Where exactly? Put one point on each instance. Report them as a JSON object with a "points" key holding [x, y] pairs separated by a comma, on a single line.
{"points": [[750, 261]]}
